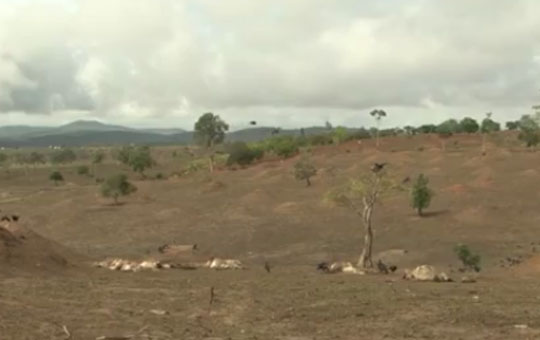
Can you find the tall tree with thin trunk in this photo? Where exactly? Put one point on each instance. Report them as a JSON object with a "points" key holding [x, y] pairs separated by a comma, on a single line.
{"points": [[361, 195], [210, 130], [378, 114]]}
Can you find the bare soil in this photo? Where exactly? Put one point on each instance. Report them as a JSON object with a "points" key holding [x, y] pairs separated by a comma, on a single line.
{"points": [[262, 214]]}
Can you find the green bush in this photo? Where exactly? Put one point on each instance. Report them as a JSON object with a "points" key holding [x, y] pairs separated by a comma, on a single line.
{"points": [[116, 186], [321, 139], [421, 194], [56, 177], [63, 156], [83, 170], [469, 260], [240, 153], [283, 146]]}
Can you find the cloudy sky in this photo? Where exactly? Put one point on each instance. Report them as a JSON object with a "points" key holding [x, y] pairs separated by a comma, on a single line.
{"points": [[281, 62]]}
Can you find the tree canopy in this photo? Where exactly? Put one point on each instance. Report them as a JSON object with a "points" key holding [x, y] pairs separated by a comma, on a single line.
{"points": [[210, 130]]}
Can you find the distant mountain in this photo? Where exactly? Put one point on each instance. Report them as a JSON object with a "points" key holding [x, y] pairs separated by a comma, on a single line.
{"points": [[87, 133], [164, 131]]}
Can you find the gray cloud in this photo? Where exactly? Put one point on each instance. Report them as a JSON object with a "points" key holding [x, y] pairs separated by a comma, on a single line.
{"points": [[146, 60]]}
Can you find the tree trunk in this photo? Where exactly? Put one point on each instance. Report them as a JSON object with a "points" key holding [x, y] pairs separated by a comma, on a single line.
{"points": [[365, 260], [420, 212], [483, 144], [377, 137], [115, 197], [211, 163], [308, 182]]}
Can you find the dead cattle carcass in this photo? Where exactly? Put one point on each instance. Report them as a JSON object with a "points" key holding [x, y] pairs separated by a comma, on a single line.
{"points": [[338, 267], [426, 273], [216, 263]]}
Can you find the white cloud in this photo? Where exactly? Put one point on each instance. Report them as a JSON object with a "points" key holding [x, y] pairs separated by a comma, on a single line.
{"points": [[281, 62]]}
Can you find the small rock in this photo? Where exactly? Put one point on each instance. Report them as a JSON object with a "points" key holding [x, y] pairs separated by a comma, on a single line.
{"points": [[476, 297], [521, 326]]}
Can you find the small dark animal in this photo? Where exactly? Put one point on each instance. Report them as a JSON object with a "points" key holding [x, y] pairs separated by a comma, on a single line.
{"points": [[323, 266], [15, 218], [392, 268], [406, 180], [377, 167], [382, 267], [267, 267]]}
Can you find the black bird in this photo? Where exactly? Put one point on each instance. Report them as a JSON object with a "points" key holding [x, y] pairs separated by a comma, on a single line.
{"points": [[267, 267], [377, 167], [253, 122]]}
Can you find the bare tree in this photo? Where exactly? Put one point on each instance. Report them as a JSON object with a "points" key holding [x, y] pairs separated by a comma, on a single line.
{"points": [[378, 114]]}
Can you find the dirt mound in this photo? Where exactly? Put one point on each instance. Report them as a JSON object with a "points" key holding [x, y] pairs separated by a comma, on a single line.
{"points": [[22, 250]]}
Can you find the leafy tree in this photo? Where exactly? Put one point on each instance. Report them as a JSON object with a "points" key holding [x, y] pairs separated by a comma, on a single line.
{"points": [[63, 156], [56, 177], [427, 128], [489, 125], [469, 125], [361, 195], [470, 260], [83, 170], [378, 115], [304, 170], [33, 158], [529, 131], [116, 186], [446, 129], [512, 125], [137, 158], [409, 130], [141, 159], [421, 194], [210, 130]]}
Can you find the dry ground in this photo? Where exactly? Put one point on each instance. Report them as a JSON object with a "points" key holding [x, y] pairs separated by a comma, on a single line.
{"points": [[262, 214]]}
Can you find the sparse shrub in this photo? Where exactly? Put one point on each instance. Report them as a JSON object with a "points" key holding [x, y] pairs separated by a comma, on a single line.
{"points": [[529, 131], [320, 139], [240, 153], [56, 177], [98, 157], [339, 135], [304, 170], [469, 260], [116, 186], [421, 194], [83, 170], [283, 146], [160, 176], [63, 156]]}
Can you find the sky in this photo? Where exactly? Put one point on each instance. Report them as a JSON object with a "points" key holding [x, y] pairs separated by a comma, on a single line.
{"points": [[288, 63]]}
